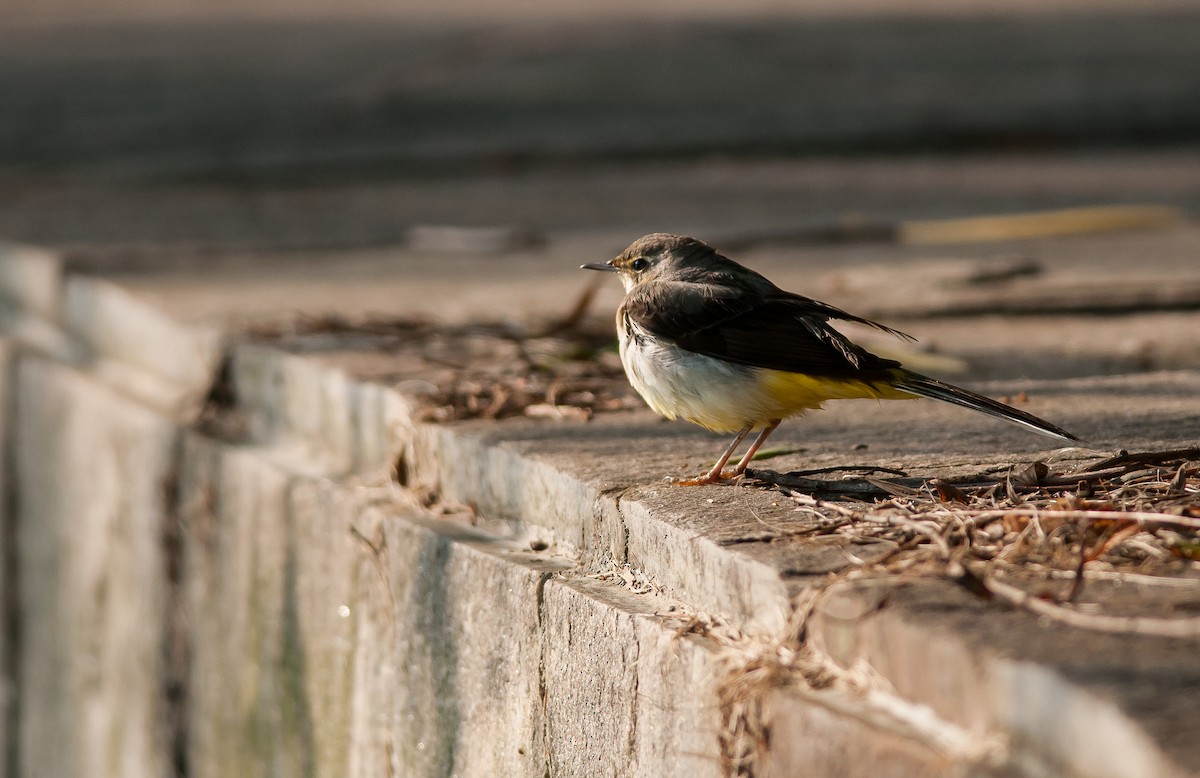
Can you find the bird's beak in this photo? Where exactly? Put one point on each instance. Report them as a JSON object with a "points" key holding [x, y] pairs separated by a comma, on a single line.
{"points": [[599, 266]]}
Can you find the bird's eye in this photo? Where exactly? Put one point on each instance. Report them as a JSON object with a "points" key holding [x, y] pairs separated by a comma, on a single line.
{"points": [[639, 264]]}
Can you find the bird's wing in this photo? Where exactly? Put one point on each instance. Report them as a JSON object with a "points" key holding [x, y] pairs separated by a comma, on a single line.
{"points": [[780, 330]]}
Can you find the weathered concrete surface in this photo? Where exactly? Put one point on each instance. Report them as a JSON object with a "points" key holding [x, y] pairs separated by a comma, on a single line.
{"points": [[306, 619], [8, 556], [694, 545], [329, 635], [162, 364], [825, 742], [246, 607], [92, 482], [652, 709], [589, 490], [326, 635], [31, 293], [248, 707], [1064, 698]]}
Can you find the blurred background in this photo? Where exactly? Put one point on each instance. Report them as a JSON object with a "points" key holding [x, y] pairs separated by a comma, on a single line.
{"points": [[305, 135]]}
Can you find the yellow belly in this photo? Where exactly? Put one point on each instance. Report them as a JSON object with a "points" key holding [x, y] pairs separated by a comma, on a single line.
{"points": [[793, 393]]}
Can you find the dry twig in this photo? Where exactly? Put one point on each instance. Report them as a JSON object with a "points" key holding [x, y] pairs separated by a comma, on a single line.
{"points": [[1030, 523]]}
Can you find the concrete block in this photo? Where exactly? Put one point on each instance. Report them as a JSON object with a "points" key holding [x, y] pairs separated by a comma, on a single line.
{"points": [[329, 639], [1044, 689], [332, 592], [248, 707], [370, 740], [382, 422], [8, 569], [1078, 731], [31, 278], [624, 694], [119, 324], [139, 348], [31, 300], [331, 636], [811, 740], [92, 480], [712, 579], [291, 618], [467, 656], [327, 634], [295, 402], [330, 423], [503, 482]]}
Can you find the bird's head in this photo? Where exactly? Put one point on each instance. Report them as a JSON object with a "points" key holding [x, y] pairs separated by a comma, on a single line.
{"points": [[655, 256]]}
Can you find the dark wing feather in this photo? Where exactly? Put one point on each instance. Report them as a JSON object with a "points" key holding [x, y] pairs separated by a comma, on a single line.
{"points": [[779, 330]]}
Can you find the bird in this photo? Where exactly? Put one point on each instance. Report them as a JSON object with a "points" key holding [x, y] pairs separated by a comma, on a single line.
{"points": [[708, 340]]}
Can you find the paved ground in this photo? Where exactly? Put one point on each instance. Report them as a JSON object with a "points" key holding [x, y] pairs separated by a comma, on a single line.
{"points": [[296, 134]]}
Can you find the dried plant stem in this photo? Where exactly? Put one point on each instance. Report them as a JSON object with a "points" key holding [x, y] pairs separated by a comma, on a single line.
{"points": [[1142, 517], [1125, 625]]}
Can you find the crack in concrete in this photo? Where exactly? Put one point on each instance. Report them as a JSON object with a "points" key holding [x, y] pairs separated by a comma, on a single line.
{"points": [[614, 496], [543, 691], [10, 563], [177, 648], [632, 735]]}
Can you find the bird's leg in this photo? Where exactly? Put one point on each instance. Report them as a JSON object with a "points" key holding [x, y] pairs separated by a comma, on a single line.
{"points": [[715, 476], [750, 452]]}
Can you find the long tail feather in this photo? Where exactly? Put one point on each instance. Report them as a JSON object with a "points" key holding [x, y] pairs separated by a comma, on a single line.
{"points": [[930, 387]]}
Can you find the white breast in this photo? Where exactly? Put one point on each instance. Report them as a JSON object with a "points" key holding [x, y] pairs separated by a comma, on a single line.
{"points": [[676, 383]]}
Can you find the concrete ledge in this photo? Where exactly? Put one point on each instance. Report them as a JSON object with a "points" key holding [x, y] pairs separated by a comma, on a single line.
{"points": [[277, 601], [516, 471], [161, 362], [1057, 696], [331, 635], [8, 556], [531, 474], [31, 278]]}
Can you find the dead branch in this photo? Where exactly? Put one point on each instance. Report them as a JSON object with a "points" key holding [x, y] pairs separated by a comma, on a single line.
{"points": [[1125, 625]]}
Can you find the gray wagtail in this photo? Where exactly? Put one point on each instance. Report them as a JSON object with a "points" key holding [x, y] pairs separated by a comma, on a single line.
{"points": [[704, 339]]}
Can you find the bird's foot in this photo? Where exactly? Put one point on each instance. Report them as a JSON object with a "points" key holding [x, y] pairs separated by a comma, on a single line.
{"points": [[724, 477]]}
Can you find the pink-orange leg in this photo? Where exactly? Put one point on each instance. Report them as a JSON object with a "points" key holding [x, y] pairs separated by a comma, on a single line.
{"points": [[716, 475], [750, 452]]}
